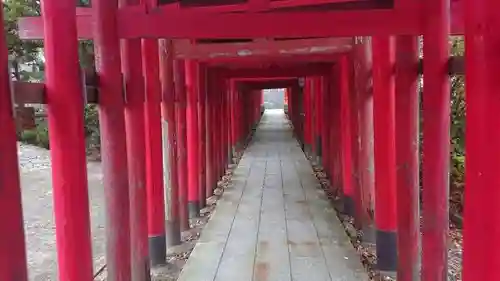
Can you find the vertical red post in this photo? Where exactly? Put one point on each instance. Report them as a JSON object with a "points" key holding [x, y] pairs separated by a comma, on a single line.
{"points": [[307, 116], [181, 129], [113, 144], [335, 136], [385, 153], [325, 124], [69, 166], [135, 129], [12, 244], [154, 160], [202, 127], [407, 158], [211, 154], [192, 92], [217, 128], [364, 194], [481, 213], [229, 121], [349, 131], [318, 86], [173, 234], [233, 118], [436, 142]]}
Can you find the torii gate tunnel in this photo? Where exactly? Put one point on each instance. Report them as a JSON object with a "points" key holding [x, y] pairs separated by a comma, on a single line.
{"points": [[193, 72]]}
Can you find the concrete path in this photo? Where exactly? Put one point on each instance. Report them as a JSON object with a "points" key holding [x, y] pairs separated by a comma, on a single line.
{"points": [[273, 223]]}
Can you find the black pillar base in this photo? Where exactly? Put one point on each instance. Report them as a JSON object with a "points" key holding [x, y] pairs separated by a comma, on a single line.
{"points": [[387, 254], [194, 209], [157, 250], [369, 235], [349, 208], [173, 233]]}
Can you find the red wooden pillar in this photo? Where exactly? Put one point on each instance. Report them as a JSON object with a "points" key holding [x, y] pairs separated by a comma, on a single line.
{"points": [[69, 167], [135, 129], [349, 137], [436, 142], [364, 194], [154, 165], [113, 144], [481, 214], [325, 124], [218, 128], [233, 117], [202, 127], [481, 210], [318, 86], [172, 220], [229, 121], [385, 153], [239, 123], [407, 158], [211, 179], [336, 167], [181, 130], [12, 243], [307, 116], [192, 92]]}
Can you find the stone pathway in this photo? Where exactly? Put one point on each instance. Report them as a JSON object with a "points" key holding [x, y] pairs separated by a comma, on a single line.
{"points": [[39, 224], [273, 223]]}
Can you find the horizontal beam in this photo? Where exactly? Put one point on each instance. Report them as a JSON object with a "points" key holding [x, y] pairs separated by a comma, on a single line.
{"points": [[270, 48], [270, 72], [160, 24], [261, 85], [34, 93], [165, 22], [265, 61]]}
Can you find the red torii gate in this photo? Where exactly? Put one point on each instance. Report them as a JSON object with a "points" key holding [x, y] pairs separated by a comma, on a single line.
{"points": [[106, 24]]}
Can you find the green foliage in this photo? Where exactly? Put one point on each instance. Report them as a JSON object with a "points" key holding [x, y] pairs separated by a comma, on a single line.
{"points": [[38, 136], [457, 133], [20, 51], [92, 133]]}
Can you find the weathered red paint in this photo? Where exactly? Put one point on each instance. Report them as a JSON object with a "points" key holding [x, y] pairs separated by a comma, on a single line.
{"points": [[350, 131], [181, 130], [163, 23], [135, 129], [481, 210], [384, 153], [192, 92], [384, 133], [153, 146], [436, 141], [307, 114], [407, 158], [210, 138], [335, 134], [202, 127], [65, 118], [113, 141], [402, 20], [325, 122], [12, 243], [168, 112], [233, 119]]}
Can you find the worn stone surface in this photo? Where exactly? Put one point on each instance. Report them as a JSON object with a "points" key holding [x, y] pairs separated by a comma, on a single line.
{"points": [[38, 213], [273, 223]]}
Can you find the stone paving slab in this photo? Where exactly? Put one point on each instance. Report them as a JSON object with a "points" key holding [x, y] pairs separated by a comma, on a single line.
{"points": [[273, 223]]}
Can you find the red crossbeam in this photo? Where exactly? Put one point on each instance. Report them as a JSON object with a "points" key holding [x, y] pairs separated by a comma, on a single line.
{"points": [[175, 23]]}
